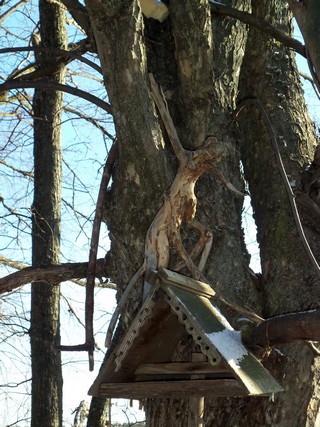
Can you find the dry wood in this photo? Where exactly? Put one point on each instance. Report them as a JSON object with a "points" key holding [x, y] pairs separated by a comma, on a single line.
{"points": [[180, 389], [192, 368], [191, 285]]}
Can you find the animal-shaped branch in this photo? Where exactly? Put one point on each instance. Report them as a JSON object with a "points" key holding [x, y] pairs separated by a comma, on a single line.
{"points": [[180, 204]]}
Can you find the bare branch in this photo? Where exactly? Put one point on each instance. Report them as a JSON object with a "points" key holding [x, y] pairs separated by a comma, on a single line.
{"points": [[12, 9], [53, 85], [312, 81], [259, 23], [13, 264], [91, 120], [22, 172], [21, 217], [75, 52], [93, 264], [284, 329], [79, 14], [91, 272], [52, 274]]}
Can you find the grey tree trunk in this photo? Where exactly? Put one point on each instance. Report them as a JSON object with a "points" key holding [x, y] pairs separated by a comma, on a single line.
{"points": [[45, 329], [289, 282], [198, 59]]}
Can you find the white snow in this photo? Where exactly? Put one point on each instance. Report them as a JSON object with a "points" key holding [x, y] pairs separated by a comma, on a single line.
{"points": [[229, 345]]}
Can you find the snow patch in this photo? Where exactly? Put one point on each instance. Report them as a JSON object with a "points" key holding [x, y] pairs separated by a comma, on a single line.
{"points": [[228, 343]]}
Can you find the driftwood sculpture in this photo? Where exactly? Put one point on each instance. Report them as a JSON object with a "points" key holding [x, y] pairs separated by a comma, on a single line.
{"points": [[180, 204]]}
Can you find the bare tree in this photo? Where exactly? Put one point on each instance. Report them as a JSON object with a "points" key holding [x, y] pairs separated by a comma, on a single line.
{"points": [[46, 213]]}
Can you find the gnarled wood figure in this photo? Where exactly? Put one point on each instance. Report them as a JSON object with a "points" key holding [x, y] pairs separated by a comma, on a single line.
{"points": [[179, 205]]}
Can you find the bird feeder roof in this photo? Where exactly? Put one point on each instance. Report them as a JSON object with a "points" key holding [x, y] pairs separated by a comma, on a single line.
{"points": [[143, 363]]}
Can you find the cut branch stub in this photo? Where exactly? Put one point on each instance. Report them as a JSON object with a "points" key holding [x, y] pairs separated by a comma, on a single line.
{"points": [[284, 329]]}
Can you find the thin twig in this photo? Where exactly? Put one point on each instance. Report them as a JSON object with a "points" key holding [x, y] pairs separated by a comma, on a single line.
{"points": [[316, 85], [93, 252], [53, 85], [91, 271], [73, 53]]}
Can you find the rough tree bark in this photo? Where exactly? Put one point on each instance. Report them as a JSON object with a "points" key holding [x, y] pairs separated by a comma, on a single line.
{"points": [[307, 14], [288, 281], [197, 59], [45, 328]]}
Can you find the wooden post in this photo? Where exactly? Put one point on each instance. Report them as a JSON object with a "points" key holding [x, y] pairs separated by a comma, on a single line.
{"points": [[196, 404]]}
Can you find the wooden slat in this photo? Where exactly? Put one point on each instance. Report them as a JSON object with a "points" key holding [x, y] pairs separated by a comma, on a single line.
{"points": [[181, 389], [179, 368], [186, 283]]}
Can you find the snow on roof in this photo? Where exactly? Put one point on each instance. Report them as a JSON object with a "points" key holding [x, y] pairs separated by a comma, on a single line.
{"points": [[229, 344]]}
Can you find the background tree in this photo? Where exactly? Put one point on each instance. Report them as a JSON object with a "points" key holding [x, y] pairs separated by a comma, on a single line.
{"points": [[46, 213], [17, 179]]}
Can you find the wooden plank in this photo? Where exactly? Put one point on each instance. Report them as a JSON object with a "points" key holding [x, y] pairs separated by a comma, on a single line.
{"points": [[198, 357], [196, 403], [179, 389], [172, 368], [187, 283], [195, 411]]}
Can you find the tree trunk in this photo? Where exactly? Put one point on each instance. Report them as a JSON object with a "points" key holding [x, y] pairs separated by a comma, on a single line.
{"points": [[45, 330], [288, 281], [197, 60]]}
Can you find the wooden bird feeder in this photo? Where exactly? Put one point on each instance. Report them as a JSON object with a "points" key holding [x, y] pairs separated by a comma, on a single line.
{"points": [[142, 365]]}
